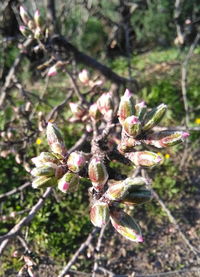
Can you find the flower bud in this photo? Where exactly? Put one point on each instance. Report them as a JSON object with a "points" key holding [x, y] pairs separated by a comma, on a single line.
{"points": [[84, 76], [140, 110], [52, 71], [76, 161], [118, 191], [55, 139], [135, 183], [77, 109], [126, 106], [145, 158], [44, 171], [128, 144], [24, 15], [97, 173], [105, 103], [31, 25], [165, 138], [37, 18], [43, 158], [25, 31], [99, 214], [44, 182], [125, 225], [38, 33], [139, 196], [68, 182], [132, 126], [94, 112], [153, 117]]}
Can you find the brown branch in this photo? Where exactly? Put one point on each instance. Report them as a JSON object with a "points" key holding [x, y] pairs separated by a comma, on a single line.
{"points": [[91, 62]]}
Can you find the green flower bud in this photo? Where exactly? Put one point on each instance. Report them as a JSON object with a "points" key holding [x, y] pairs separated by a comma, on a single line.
{"points": [[44, 171], [97, 173], [99, 214], [126, 106], [76, 161], [145, 158], [45, 157], [132, 126], [69, 182], [118, 191], [44, 182], [125, 225], [140, 110], [55, 139], [153, 117], [139, 196], [165, 138]]}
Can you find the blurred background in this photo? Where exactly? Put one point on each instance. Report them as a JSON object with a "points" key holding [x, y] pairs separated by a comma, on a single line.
{"points": [[155, 42]]}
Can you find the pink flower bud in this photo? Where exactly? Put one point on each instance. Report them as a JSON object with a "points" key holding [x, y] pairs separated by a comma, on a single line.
{"points": [[144, 158], [76, 161], [125, 225], [140, 110], [77, 110], [126, 106], [94, 112], [24, 15], [97, 173], [52, 71], [99, 214], [68, 182], [37, 18], [55, 139], [84, 76], [25, 31], [132, 126], [105, 103], [165, 138]]}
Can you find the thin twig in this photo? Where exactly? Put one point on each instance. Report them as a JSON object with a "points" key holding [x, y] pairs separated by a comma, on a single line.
{"points": [[15, 190], [78, 252], [171, 217], [97, 250], [184, 72], [24, 221]]}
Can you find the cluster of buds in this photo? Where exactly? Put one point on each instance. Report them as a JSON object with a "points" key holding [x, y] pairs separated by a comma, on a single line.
{"points": [[32, 25], [108, 197], [137, 124], [131, 192], [57, 167]]}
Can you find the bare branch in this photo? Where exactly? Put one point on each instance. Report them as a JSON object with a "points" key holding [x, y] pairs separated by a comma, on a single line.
{"points": [[78, 252]]}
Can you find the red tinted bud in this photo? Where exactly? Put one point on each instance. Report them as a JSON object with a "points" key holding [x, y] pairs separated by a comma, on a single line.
{"points": [[68, 182], [126, 106], [99, 214], [145, 158], [125, 225], [76, 161], [132, 126], [97, 173]]}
